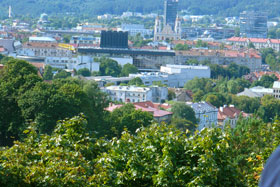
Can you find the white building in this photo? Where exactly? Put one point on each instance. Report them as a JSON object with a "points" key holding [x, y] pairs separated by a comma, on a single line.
{"points": [[77, 63], [42, 40], [206, 113], [134, 29], [136, 94], [35, 49], [85, 40], [259, 91], [174, 75], [229, 115]]}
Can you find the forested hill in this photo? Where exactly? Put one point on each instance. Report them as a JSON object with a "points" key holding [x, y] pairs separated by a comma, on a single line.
{"points": [[95, 7]]}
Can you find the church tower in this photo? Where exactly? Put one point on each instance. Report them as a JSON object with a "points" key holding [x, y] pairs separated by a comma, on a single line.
{"points": [[157, 28], [178, 28]]}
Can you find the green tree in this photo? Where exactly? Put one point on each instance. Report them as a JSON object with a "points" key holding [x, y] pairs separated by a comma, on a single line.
{"points": [[137, 81], [182, 47], [171, 95], [127, 117], [265, 81], [203, 84], [251, 45], [246, 104], [48, 74], [183, 111], [164, 156], [109, 67], [84, 72], [62, 74], [48, 103], [197, 96], [70, 149], [17, 77], [269, 109], [128, 69]]}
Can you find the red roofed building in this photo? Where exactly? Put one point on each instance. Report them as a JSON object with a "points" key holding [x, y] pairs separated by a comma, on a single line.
{"points": [[158, 114], [1, 66], [249, 58], [229, 115], [259, 43], [211, 45], [262, 73]]}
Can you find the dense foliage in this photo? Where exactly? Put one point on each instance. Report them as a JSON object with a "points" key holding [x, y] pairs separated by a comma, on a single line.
{"points": [[94, 7], [158, 155]]}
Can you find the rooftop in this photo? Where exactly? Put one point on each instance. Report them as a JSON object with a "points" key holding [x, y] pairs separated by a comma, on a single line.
{"points": [[276, 85], [202, 107], [220, 53], [254, 40], [42, 39], [186, 66], [146, 107], [128, 88], [229, 112]]}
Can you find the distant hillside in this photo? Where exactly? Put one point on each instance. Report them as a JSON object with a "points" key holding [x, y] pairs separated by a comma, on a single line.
{"points": [[95, 7]]}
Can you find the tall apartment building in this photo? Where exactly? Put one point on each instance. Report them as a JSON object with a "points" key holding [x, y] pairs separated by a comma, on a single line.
{"points": [[170, 12], [253, 24]]}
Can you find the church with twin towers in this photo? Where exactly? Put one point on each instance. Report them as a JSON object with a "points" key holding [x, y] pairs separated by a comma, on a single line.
{"points": [[171, 27]]}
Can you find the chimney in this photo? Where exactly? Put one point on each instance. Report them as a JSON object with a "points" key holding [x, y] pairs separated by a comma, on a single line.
{"points": [[221, 109]]}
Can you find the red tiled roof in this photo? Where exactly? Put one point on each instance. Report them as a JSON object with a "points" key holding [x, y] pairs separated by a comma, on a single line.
{"points": [[229, 112], [1, 66], [162, 48], [38, 65], [153, 105], [253, 40], [144, 106], [262, 73], [225, 53]]}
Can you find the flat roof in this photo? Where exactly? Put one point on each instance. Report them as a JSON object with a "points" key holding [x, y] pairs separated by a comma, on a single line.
{"points": [[42, 39], [86, 50]]}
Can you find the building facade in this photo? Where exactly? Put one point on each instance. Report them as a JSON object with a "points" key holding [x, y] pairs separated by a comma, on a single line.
{"points": [[259, 43], [136, 94], [174, 76], [248, 58], [167, 33], [253, 24], [44, 50], [206, 114], [134, 29], [170, 12]]}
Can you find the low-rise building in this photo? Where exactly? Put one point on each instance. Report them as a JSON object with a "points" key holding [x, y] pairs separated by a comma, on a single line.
{"points": [[153, 108], [134, 29], [249, 58], [85, 40], [136, 94], [77, 62], [260, 91], [259, 43], [44, 50], [42, 39], [205, 113], [174, 76], [229, 115]]}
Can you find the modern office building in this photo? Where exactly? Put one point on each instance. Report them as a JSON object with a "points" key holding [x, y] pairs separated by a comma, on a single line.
{"points": [[170, 12], [253, 24], [114, 39]]}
